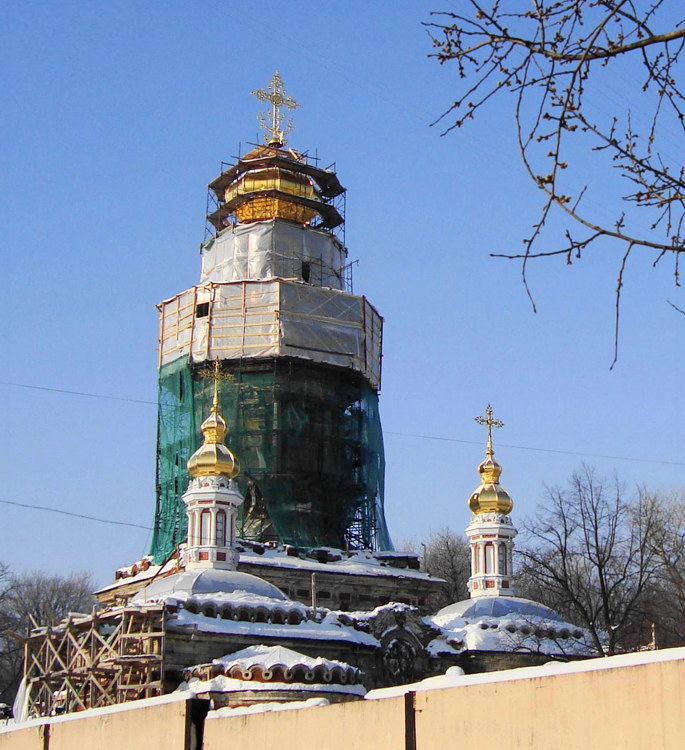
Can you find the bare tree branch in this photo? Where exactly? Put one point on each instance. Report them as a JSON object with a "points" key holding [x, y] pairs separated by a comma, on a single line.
{"points": [[548, 56]]}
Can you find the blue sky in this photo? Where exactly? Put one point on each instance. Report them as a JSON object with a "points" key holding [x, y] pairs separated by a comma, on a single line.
{"points": [[115, 117]]}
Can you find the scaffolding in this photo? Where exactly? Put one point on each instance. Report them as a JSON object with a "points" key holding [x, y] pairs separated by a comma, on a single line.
{"points": [[272, 318], [304, 353], [92, 661], [310, 445], [319, 191]]}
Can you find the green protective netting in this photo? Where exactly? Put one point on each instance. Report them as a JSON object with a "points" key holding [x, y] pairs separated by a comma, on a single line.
{"points": [[310, 446]]}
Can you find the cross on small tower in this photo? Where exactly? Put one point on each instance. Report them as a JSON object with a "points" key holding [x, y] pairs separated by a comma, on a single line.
{"points": [[490, 422], [216, 375], [271, 122]]}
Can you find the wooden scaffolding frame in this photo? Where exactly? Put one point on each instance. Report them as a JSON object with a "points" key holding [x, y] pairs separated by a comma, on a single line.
{"points": [[90, 661]]}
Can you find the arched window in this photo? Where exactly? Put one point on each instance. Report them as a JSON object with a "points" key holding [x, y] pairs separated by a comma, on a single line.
{"points": [[191, 530], [489, 557], [503, 559], [205, 522], [221, 528]]}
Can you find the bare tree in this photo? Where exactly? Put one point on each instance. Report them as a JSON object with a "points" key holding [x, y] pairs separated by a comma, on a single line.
{"points": [[589, 554], [447, 556], [31, 599], [665, 604], [548, 54]]}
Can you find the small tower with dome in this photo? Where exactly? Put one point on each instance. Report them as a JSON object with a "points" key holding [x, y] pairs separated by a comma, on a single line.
{"points": [[491, 532], [212, 498]]}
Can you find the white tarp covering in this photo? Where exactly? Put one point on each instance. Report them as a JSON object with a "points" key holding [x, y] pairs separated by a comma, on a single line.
{"points": [[268, 249], [250, 319]]}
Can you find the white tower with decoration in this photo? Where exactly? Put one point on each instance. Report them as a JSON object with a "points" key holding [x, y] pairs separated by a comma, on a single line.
{"points": [[212, 498], [491, 532]]}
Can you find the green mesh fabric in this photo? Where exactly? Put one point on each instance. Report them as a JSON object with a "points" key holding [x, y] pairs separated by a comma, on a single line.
{"points": [[309, 442]]}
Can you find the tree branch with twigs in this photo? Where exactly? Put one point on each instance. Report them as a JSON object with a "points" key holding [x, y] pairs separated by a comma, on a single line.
{"points": [[547, 55]]}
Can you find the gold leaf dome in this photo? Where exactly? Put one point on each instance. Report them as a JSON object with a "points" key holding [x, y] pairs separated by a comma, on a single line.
{"points": [[213, 458], [490, 497]]}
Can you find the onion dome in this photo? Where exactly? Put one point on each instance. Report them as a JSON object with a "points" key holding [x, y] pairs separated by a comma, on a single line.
{"points": [[490, 497], [273, 181], [213, 458]]}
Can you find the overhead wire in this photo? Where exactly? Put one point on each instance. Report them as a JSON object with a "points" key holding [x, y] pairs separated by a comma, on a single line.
{"points": [[62, 512], [419, 436]]}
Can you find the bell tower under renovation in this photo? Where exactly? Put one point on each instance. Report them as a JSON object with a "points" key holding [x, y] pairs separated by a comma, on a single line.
{"points": [[299, 354]]}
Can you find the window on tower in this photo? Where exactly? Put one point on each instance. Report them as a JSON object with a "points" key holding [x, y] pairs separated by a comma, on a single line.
{"points": [[205, 520], [221, 529], [202, 310], [489, 557]]}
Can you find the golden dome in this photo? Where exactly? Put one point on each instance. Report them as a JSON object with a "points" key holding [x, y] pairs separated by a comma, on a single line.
{"points": [[213, 458], [490, 497]]}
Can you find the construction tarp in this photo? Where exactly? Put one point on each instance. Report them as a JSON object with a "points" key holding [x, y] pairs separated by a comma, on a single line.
{"points": [[274, 318], [268, 249]]}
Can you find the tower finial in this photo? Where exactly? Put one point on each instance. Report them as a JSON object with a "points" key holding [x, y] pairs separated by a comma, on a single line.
{"points": [[271, 121], [213, 457], [490, 422], [490, 496], [490, 532]]}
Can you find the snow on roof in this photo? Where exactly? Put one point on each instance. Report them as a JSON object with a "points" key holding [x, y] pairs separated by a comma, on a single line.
{"points": [[454, 678], [205, 581], [258, 708], [270, 656], [359, 563], [142, 575], [496, 606], [506, 623], [330, 629], [223, 684]]}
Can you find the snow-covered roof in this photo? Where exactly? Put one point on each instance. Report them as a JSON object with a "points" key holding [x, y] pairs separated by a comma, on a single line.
{"points": [[497, 606], [505, 623], [208, 581], [271, 656], [276, 664], [223, 684], [359, 563], [259, 708], [329, 629]]}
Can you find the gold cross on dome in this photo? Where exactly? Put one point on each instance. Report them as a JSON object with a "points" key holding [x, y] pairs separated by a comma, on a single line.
{"points": [[215, 373], [490, 422], [271, 121]]}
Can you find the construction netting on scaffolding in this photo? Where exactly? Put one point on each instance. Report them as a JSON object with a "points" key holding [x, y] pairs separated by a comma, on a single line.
{"points": [[310, 445]]}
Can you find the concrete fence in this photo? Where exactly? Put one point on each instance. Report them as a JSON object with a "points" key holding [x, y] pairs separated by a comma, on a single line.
{"points": [[633, 701]]}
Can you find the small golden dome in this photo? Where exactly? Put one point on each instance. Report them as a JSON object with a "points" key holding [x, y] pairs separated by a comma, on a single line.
{"points": [[490, 497], [213, 458]]}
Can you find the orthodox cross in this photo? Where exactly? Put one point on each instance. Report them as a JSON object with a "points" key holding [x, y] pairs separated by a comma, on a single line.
{"points": [[216, 375], [271, 121], [490, 422]]}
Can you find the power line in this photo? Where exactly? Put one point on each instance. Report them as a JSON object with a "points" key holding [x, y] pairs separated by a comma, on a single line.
{"points": [[78, 393], [386, 432], [75, 515], [540, 450]]}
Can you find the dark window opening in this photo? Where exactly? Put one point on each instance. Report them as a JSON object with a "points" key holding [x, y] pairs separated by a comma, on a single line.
{"points": [[306, 271], [202, 310]]}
